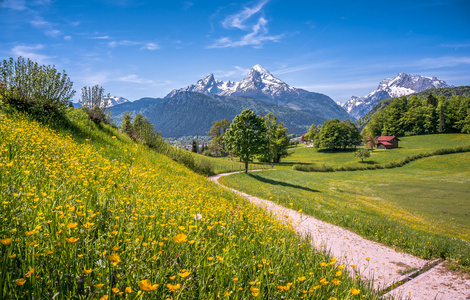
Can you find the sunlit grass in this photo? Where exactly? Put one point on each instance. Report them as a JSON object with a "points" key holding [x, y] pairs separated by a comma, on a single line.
{"points": [[86, 213], [421, 208]]}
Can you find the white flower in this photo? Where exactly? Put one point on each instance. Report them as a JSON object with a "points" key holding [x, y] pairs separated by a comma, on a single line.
{"points": [[197, 217]]}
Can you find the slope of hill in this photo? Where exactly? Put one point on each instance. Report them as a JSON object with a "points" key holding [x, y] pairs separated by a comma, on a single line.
{"points": [[402, 85], [89, 213], [446, 92], [143, 106], [188, 113]]}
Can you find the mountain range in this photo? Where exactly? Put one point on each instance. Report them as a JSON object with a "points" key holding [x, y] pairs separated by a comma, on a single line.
{"points": [[191, 110], [402, 85]]}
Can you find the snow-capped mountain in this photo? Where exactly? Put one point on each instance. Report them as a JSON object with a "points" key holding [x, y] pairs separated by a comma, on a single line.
{"points": [[402, 85], [115, 100], [262, 85]]}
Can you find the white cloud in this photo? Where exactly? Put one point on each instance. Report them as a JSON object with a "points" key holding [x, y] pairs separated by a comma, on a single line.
{"points": [[103, 37], [14, 4], [67, 37], [151, 46], [237, 20], [30, 52], [258, 33], [113, 44], [257, 37], [133, 78], [48, 27]]}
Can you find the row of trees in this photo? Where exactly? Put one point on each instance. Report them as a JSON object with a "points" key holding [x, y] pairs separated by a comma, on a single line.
{"points": [[416, 116]]}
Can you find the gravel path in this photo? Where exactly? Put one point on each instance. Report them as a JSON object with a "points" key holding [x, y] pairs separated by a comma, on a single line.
{"points": [[372, 261]]}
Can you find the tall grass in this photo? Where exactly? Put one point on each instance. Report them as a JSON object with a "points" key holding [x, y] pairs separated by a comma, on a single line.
{"points": [[86, 213]]}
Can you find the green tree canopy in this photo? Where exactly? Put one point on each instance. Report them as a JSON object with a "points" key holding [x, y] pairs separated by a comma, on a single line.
{"points": [[30, 86], [335, 134], [277, 140], [309, 137], [217, 132], [362, 154], [95, 103], [246, 136]]}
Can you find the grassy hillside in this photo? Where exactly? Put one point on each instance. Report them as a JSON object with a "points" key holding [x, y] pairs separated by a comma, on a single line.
{"points": [[86, 213], [446, 92], [421, 208]]}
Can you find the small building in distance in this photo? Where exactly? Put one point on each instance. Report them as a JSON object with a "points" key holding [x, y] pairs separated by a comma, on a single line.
{"points": [[387, 142]]}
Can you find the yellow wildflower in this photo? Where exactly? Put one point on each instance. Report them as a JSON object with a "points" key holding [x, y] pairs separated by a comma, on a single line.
{"points": [[180, 238], [6, 241], [72, 240], [145, 285], [20, 281]]}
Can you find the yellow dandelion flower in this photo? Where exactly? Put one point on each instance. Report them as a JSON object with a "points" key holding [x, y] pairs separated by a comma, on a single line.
{"points": [[301, 278], [147, 286], [228, 293], [172, 287], [48, 252], [184, 274], [210, 258], [29, 233], [219, 258], [114, 258], [336, 281], [115, 290], [72, 240], [254, 291], [20, 281], [87, 271], [99, 285], [339, 273], [6, 242], [128, 290], [355, 291], [12, 256], [72, 225], [180, 238], [30, 272]]}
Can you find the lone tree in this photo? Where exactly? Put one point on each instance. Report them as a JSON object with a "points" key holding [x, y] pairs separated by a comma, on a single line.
{"points": [[95, 103], [246, 136], [362, 154]]}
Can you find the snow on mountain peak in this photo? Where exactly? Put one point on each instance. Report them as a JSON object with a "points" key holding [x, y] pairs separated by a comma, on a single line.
{"points": [[401, 85], [258, 81]]}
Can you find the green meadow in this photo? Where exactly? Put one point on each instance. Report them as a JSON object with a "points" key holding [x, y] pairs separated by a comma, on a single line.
{"points": [[86, 213], [422, 208]]}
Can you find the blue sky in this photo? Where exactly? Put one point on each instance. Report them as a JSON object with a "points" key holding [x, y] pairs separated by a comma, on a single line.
{"points": [[136, 48]]}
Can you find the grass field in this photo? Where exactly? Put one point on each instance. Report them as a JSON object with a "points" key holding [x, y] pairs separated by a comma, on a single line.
{"points": [[226, 164], [407, 146], [85, 213], [422, 208]]}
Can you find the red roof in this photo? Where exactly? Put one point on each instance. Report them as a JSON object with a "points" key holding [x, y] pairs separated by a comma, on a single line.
{"points": [[386, 138], [385, 143]]}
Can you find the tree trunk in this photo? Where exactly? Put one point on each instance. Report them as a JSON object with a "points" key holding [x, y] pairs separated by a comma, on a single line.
{"points": [[246, 167]]}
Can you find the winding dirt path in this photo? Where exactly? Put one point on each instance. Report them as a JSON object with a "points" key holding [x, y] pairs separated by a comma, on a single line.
{"points": [[380, 265]]}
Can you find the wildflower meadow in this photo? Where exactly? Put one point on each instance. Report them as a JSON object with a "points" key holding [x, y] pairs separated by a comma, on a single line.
{"points": [[100, 217]]}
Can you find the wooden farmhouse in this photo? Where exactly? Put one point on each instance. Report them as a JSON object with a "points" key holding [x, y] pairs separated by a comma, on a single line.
{"points": [[387, 142]]}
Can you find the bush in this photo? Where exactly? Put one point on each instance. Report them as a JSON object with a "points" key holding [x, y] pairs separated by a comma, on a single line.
{"points": [[33, 88]]}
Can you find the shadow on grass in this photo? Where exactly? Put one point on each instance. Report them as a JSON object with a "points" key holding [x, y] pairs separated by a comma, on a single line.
{"points": [[368, 162], [281, 183]]}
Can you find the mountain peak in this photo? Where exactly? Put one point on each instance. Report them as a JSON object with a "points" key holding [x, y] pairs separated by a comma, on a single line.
{"points": [[401, 85]]}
